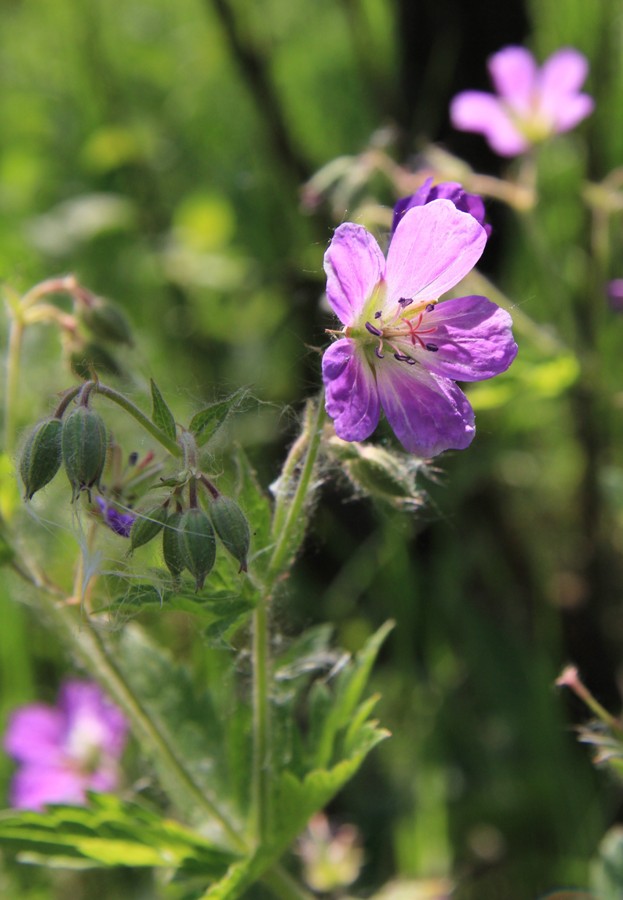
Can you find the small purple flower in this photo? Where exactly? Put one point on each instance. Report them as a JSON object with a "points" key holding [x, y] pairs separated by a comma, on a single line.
{"points": [[119, 522], [65, 750], [446, 190], [532, 103], [614, 292], [400, 351]]}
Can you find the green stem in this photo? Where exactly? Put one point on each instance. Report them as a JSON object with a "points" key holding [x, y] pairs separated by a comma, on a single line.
{"points": [[168, 443], [289, 537], [291, 534], [88, 644], [284, 886], [16, 333]]}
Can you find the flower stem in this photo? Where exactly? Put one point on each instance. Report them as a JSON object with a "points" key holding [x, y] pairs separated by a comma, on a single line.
{"points": [[168, 443], [290, 534], [16, 333]]}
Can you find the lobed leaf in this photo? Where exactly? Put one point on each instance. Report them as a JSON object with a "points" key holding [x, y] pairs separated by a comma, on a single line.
{"points": [[207, 422], [161, 414]]}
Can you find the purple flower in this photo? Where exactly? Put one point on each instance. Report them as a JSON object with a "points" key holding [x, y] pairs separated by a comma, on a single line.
{"points": [[119, 522], [401, 351], [446, 190], [65, 750], [614, 292], [532, 103]]}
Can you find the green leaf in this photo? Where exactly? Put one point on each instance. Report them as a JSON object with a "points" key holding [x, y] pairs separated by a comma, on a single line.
{"points": [[349, 688], [255, 505], [196, 724], [161, 414], [109, 832], [206, 423]]}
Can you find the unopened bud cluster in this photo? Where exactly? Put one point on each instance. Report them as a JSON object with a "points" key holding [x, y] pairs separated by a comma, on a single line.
{"points": [[78, 441], [189, 533]]}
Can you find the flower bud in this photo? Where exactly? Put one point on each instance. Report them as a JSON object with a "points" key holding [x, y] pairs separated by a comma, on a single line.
{"points": [[93, 357], [84, 444], [147, 525], [232, 528], [106, 321], [197, 544], [171, 545], [41, 457]]}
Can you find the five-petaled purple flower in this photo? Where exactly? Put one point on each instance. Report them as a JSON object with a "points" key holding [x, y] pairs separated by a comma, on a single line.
{"points": [[532, 103], [400, 350], [65, 750], [445, 190]]}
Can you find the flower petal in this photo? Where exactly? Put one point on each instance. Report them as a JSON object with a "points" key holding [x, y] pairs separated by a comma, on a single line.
{"points": [[35, 733], [514, 74], [92, 720], [428, 414], [563, 73], [354, 265], [485, 114], [473, 337], [351, 396], [433, 248], [445, 190], [34, 786]]}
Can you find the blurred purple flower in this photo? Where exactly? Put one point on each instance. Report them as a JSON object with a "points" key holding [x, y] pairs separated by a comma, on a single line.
{"points": [[119, 522], [446, 190], [65, 750], [532, 103], [614, 292], [400, 351]]}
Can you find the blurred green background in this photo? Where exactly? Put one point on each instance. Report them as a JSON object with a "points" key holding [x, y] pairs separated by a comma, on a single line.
{"points": [[157, 149]]}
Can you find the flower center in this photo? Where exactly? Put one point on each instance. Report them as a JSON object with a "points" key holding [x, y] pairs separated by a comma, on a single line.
{"points": [[403, 332]]}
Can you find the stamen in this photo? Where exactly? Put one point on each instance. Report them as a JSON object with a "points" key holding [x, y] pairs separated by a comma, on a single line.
{"points": [[432, 347], [373, 330], [404, 302], [378, 314], [377, 350], [429, 307], [402, 357]]}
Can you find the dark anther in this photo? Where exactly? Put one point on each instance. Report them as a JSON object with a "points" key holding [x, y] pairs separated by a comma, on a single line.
{"points": [[432, 347], [378, 314], [405, 301], [374, 330], [133, 458], [402, 357], [430, 307], [378, 353]]}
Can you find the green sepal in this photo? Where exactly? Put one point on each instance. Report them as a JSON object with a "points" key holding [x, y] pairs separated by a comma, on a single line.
{"points": [[232, 528], [42, 455], [147, 525], [84, 443], [197, 544]]}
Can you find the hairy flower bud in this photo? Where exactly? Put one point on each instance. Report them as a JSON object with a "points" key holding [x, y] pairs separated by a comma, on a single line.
{"points": [[232, 528], [171, 545], [107, 321], [41, 456], [197, 544], [84, 444], [147, 525], [93, 357]]}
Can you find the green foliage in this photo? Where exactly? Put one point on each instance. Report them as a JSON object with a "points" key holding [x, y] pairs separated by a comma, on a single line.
{"points": [[207, 422], [109, 832], [161, 414]]}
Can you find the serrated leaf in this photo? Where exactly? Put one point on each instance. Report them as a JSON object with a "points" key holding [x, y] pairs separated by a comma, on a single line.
{"points": [[349, 688], [161, 414], [207, 422], [109, 832]]}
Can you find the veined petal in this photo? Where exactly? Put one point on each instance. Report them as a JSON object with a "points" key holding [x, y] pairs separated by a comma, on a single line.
{"points": [[514, 74], [35, 734], [352, 398], [433, 248], [428, 414], [473, 337], [354, 265], [486, 115]]}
